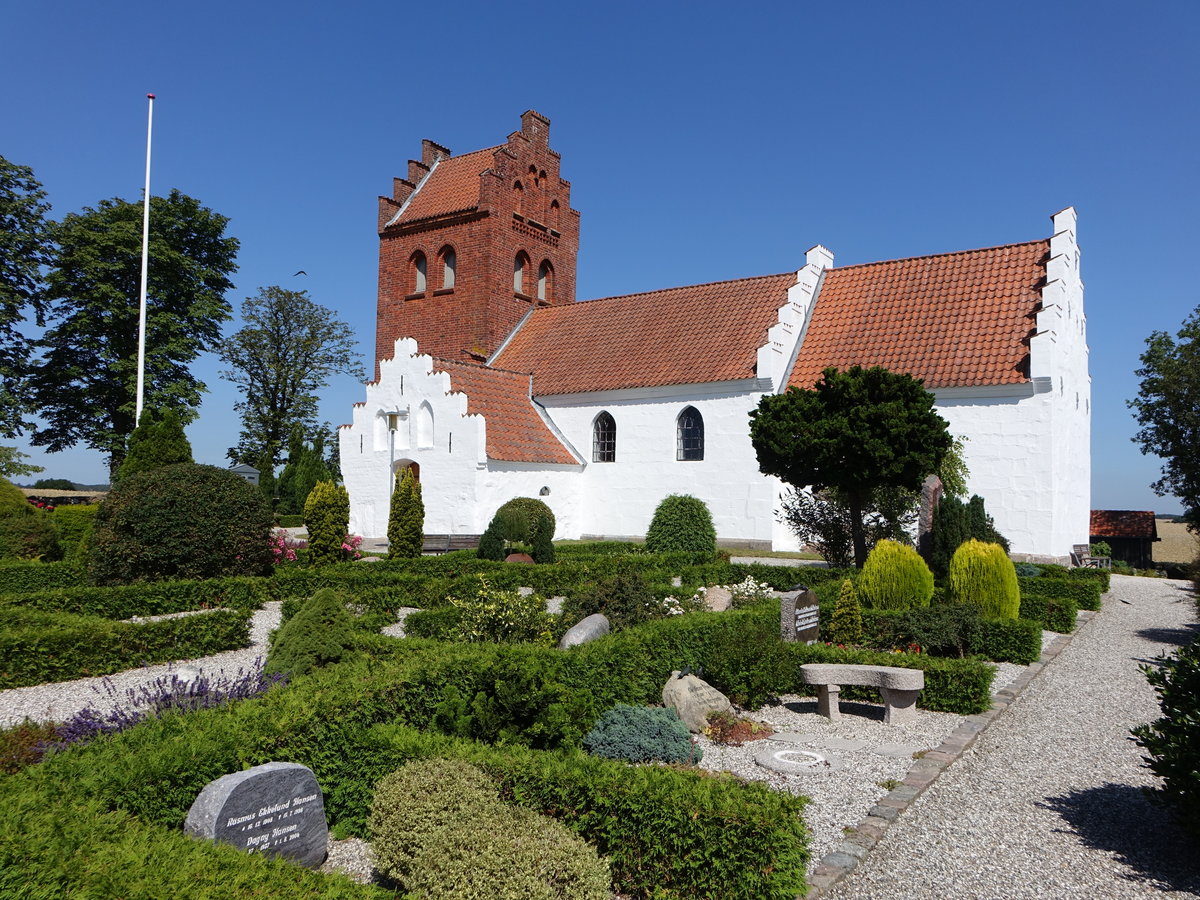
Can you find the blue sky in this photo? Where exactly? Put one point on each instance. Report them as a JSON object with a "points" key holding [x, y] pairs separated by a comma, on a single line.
{"points": [[703, 141]]}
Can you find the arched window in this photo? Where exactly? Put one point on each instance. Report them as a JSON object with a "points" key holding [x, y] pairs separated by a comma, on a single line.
{"points": [[519, 197], [689, 442], [553, 223], [449, 263], [604, 439], [545, 281], [425, 425], [520, 264], [418, 266]]}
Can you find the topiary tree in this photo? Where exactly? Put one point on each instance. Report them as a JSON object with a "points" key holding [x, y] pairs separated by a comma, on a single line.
{"points": [[846, 625], [642, 734], [895, 577], [681, 523], [26, 532], [180, 521], [533, 510], [857, 431], [540, 537], [983, 576], [327, 518], [317, 635], [406, 519], [156, 442], [491, 544]]}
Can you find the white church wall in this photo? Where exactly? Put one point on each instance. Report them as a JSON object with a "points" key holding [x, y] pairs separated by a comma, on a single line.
{"points": [[619, 498], [501, 481]]}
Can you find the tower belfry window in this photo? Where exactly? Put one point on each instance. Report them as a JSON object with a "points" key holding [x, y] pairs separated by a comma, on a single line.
{"points": [[419, 269], [449, 265], [545, 290], [520, 264]]}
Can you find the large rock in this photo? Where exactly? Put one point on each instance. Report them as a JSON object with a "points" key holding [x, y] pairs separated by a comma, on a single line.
{"points": [[718, 598], [693, 700], [594, 626]]}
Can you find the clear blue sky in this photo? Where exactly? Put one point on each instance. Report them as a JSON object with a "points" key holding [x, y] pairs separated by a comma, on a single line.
{"points": [[717, 140]]}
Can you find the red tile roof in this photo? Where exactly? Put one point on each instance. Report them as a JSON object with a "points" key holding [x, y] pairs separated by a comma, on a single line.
{"points": [[953, 320], [686, 335], [1124, 523], [515, 430], [452, 186]]}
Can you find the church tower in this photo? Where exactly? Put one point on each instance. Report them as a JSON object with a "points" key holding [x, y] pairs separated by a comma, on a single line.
{"points": [[469, 244]]}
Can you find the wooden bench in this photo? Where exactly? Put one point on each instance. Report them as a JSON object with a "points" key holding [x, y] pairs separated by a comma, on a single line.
{"points": [[444, 543], [1081, 555], [898, 686]]}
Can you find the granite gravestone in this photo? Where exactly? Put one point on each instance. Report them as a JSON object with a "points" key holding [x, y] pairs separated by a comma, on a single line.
{"points": [[276, 808], [800, 616]]}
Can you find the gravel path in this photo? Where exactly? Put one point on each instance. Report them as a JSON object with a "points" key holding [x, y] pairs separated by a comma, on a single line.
{"points": [[57, 701], [1048, 801]]}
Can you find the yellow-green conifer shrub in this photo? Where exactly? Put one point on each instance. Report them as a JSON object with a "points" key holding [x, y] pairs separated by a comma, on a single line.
{"points": [[326, 516], [845, 626], [894, 577], [983, 576]]}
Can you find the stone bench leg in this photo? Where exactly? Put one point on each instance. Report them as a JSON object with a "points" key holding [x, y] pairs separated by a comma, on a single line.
{"points": [[899, 706], [827, 701]]}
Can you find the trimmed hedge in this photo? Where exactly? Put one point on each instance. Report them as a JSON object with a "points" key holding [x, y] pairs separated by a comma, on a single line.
{"points": [[26, 578], [1085, 592], [38, 647], [148, 598]]}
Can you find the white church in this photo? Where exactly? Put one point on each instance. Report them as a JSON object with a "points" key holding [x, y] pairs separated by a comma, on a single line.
{"points": [[492, 382]]}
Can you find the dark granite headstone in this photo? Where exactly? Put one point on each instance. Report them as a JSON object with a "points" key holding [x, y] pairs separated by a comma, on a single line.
{"points": [[799, 616], [276, 808]]}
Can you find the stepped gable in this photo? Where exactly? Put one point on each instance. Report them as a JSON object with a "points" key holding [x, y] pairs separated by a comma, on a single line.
{"points": [[516, 432], [953, 320], [687, 335], [452, 186]]}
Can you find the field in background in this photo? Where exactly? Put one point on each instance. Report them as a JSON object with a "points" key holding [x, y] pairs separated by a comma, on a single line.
{"points": [[1178, 545]]}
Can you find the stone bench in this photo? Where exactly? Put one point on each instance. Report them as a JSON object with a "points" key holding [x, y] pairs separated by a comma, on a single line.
{"points": [[899, 688]]}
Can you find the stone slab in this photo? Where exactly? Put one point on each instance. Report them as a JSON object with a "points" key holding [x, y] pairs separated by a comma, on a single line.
{"points": [[897, 751], [276, 809]]}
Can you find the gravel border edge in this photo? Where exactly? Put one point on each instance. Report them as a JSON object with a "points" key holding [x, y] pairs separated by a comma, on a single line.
{"points": [[845, 857]]}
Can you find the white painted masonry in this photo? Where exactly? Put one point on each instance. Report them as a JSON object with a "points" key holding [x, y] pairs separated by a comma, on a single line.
{"points": [[1027, 445]]}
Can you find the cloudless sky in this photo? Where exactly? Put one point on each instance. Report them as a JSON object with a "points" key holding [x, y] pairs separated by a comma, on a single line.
{"points": [[704, 141]]}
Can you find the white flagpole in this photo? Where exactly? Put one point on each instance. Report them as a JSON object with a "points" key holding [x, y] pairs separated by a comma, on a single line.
{"points": [[141, 362]]}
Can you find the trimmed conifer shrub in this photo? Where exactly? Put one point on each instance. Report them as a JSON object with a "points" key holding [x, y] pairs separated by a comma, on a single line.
{"points": [[895, 577], [540, 537], [406, 519], [155, 442], [317, 635], [681, 523], [846, 624], [955, 522], [642, 734], [983, 576], [327, 517], [491, 545], [26, 532], [180, 521]]}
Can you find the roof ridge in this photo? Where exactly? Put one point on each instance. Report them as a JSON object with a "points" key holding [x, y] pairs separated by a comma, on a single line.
{"points": [[884, 262], [680, 287]]}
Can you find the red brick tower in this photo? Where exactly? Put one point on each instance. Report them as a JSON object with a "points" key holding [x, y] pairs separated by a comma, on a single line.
{"points": [[468, 244]]}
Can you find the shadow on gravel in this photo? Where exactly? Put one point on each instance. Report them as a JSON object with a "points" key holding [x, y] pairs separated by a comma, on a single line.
{"points": [[1120, 819], [1177, 636]]}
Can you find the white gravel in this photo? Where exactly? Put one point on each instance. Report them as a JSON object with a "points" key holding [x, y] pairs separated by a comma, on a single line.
{"points": [[58, 701], [1048, 802]]}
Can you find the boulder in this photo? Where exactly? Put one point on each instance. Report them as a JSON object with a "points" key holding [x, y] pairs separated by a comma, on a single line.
{"points": [[693, 700], [718, 599], [594, 626]]}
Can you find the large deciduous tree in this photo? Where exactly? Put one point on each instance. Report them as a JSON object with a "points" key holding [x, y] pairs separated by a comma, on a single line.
{"points": [[856, 432], [25, 247], [281, 358], [85, 385], [1168, 410]]}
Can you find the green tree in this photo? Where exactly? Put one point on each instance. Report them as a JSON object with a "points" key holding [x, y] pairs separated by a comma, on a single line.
{"points": [[156, 442], [281, 358], [406, 519], [55, 484], [305, 467], [26, 246], [326, 516], [13, 464], [85, 384], [1168, 410], [857, 431]]}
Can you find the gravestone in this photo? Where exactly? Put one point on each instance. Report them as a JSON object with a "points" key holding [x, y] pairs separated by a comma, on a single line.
{"points": [[276, 808], [800, 616]]}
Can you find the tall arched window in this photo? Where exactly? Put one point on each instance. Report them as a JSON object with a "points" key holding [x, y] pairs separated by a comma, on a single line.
{"points": [[418, 267], [519, 197], [604, 439], [689, 441], [425, 425], [520, 264], [449, 264], [545, 281]]}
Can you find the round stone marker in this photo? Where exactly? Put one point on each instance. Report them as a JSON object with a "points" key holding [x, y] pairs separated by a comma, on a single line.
{"points": [[790, 761]]}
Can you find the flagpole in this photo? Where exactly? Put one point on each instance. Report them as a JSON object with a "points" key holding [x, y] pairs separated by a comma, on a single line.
{"points": [[141, 360]]}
